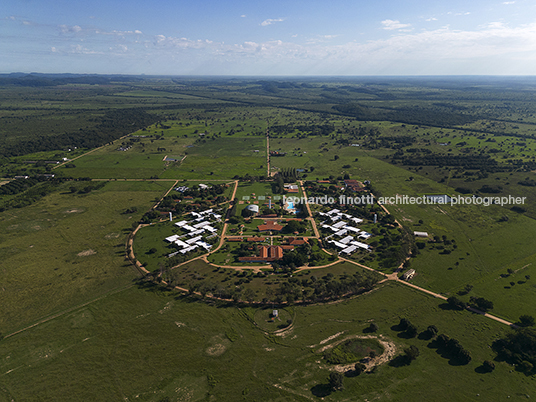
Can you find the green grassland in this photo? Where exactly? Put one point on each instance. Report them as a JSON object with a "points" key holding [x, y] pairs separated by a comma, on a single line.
{"points": [[146, 344], [67, 249], [131, 341]]}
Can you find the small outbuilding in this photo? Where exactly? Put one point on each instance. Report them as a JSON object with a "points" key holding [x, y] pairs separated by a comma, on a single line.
{"points": [[421, 234]]}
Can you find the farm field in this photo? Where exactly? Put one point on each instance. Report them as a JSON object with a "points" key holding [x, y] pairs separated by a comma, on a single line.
{"points": [[93, 312]]}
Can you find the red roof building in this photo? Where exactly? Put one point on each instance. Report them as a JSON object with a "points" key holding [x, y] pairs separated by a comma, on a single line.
{"points": [[270, 226], [266, 254], [255, 239], [295, 241], [354, 185]]}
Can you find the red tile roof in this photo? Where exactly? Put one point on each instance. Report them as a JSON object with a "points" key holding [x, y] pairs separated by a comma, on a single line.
{"points": [[266, 254], [254, 238], [270, 225]]}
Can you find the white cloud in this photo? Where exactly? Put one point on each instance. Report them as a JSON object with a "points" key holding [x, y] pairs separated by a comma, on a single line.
{"points": [[508, 2], [392, 25], [458, 14], [431, 19], [271, 21], [494, 48], [496, 25], [243, 16], [70, 29]]}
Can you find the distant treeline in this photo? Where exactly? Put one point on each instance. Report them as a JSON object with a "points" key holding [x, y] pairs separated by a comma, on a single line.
{"points": [[465, 161], [314, 129], [46, 80], [414, 115], [112, 125]]}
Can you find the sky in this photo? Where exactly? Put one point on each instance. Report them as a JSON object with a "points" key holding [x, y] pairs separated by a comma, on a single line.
{"points": [[271, 38]]}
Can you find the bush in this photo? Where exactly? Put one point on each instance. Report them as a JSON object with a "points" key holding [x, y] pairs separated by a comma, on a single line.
{"points": [[488, 366]]}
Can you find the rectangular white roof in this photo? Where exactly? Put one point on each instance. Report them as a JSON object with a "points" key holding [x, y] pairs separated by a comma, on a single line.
{"points": [[201, 224], [194, 239], [362, 245], [181, 223], [346, 240], [206, 246], [171, 239], [339, 225], [352, 229], [340, 245], [341, 232], [180, 243], [185, 250], [196, 232], [349, 250]]}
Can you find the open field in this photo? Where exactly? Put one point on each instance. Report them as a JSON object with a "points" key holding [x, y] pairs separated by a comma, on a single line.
{"points": [[93, 330], [68, 248], [114, 348]]}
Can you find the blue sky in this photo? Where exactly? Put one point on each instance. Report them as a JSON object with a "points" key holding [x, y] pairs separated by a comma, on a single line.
{"points": [[260, 37]]}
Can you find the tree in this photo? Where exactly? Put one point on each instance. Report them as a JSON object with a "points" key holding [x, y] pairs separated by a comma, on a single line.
{"points": [[526, 366], [432, 330], [359, 368], [526, 321], [467, 288], [442, 340], [481, 303], [456, 303], [464, 356], [403, 324], [411, 330], [373, 327], [488, 365], [411, 353], [336, 381]]}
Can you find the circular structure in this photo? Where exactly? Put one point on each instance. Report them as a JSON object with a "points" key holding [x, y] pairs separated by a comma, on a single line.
{"points": [[251, 210]]}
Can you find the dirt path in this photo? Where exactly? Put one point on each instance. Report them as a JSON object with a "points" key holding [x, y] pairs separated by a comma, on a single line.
{"points": [[88, 152], [166, 193], [310, 217]]}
